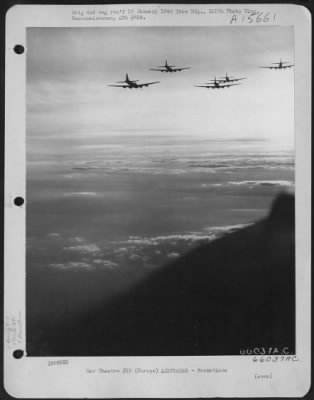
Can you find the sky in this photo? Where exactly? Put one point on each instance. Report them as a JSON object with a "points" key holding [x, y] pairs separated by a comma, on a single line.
{"points": [[69, 101]]}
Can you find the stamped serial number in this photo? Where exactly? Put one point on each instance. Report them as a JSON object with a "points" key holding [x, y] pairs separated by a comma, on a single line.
{"points": [[274, 359], [261, 351]]}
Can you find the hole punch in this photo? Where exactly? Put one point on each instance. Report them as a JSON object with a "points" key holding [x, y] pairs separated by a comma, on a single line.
{"points": [[18, 354], [18, 49], [18, 201]]}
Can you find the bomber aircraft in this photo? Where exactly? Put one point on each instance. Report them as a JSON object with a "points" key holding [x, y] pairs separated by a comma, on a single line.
{"points": [[131, 84], [229, 79], [168, 68], [279, 65], [216, 84]]}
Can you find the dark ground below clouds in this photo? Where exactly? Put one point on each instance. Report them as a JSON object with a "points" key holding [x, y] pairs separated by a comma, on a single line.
{"points": [[233, 293]]}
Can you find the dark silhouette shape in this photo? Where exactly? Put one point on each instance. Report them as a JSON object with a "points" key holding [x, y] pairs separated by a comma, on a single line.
{"points": [[237, 292], [168, 68], [131, 84], [217, 84], [279, 65], [228, 78]]}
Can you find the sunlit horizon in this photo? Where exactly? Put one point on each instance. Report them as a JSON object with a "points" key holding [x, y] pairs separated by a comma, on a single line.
{"points": [[69, 70]]}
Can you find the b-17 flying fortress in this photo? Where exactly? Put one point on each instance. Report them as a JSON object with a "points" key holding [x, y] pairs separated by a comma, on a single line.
{"points": [[168, 68], [216, 84], [220, 83], [279, 65], [131, 84]]}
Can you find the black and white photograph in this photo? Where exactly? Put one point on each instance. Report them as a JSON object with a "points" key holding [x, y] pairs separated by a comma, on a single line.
{"points": [[160, 185], [160, 210]]}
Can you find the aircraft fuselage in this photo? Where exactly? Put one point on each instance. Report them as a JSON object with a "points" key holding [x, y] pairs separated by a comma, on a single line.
{"points": [[131, 84]]}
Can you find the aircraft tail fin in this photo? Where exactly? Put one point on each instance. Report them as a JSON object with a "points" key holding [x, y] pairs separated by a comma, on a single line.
{"points": [[165, 65], [126, 79]]}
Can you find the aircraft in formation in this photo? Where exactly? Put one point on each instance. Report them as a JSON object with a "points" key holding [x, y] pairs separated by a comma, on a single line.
{"points": [[131, 84], [168, 68], [279, 65], [220, 83], [217, 84]]}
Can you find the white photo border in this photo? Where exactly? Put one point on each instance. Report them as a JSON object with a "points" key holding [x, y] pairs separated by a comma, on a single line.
{"points": [[34, 377]]}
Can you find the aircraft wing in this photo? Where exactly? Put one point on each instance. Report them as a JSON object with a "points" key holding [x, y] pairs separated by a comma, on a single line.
{"points": [[147, 84], [222, 80], [236, 79], [270, 67], [287, 66], [180, 69], [123, 86], [157, 69], [218, 87], [207, 86], [230, 84]]}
